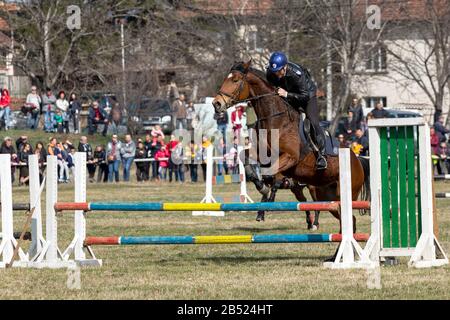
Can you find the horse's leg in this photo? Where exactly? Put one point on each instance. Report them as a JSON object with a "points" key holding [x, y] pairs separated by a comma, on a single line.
{"points": [[277, 182], [315, 223]]}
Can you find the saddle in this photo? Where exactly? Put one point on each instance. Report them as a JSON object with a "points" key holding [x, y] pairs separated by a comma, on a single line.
{"points": [[331, 143]]}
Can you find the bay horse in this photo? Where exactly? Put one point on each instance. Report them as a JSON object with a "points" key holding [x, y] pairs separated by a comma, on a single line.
{"points": [[296, 160]]}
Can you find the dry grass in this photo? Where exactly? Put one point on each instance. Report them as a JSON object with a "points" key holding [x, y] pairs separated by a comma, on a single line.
{"points": [[292, 271]]}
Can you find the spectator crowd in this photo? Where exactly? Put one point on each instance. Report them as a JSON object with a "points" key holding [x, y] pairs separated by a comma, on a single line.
{"points": [[157, 158]]}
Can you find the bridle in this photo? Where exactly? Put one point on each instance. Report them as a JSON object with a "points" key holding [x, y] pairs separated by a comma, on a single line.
{"points": [[234, 96]]}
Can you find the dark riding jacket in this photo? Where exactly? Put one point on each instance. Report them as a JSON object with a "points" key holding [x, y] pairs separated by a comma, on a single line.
{"points": [[297, 82]]}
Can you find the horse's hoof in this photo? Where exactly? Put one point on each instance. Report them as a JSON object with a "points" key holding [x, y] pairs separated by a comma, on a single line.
{"points": [[260, 218], [314, 228], [310, 226]]}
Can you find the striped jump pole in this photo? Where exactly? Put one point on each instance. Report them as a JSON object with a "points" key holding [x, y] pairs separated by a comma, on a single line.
{"points": [[442, 195], [442, 177], [230, 239], [209, 197], [225, 207]]}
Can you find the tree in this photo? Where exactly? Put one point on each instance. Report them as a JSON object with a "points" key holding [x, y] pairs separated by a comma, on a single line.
{"points": [[420, 50], [342, 26]]}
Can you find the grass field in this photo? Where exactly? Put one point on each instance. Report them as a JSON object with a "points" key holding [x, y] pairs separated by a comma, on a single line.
{"points": [[266, 271]]}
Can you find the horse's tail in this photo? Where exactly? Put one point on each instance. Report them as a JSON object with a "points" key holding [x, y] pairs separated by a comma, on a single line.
{"points": [[365, 195]]}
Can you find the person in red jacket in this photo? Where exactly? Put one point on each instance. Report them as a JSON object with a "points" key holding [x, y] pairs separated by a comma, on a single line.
{"points": [[5, 109], [236, 121], [163, 153], [434, 140]]}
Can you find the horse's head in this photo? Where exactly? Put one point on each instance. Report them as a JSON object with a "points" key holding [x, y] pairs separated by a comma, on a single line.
{"points": [[234, 88]]}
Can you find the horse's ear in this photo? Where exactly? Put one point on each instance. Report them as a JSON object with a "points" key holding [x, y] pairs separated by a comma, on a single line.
{"points": [[247, 65]]}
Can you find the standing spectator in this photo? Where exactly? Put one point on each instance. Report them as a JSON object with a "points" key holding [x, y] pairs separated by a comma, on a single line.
{"points": [[49, 108], [362, 140], [222, 123], [443, 162], [231, 157], [84, 146], [162, 157], [148, 153], [141, 167], [113, 158], [221, 165], [115, 118], [434, 140], [97, 115], [379, 111], [24, 174], [349, 126], [100, 162], [74, 111], [206, 143], [179, 109], [42, 158], [440, 128], [5, 108], [33, 108], [63, 105], [157, 144], [194, 155], [190, 115], [358, 114], [173, 167], [177, 158], [127, 152], [236, 121], [59, 121], [8, 148]]}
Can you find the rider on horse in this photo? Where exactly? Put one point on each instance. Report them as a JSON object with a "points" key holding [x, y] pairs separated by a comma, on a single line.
{"points": [[295, 84]]}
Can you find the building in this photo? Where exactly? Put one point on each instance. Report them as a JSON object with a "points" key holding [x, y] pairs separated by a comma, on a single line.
{"points": [[383, 73]]}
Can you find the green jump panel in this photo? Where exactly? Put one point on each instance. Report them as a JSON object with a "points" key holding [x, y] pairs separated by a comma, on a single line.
{"points": [[411, 168], [385, 198], [402, 178], [393, 154]]}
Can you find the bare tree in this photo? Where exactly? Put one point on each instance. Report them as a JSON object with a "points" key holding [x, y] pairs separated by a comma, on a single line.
{"points": [[420, 50], [342, 25]]}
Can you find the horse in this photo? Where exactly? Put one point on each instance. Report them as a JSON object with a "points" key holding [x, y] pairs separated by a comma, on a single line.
{"points": [[296, 160]]}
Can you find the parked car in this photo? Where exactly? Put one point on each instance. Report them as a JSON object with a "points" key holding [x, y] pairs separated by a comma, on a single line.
{"points": [[149, 113]]}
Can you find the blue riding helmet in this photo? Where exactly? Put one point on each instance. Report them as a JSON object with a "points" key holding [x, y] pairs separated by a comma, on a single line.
{"points": [[277, 61]]}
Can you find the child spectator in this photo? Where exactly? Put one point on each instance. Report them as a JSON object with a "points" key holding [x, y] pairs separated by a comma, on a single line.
{"points": [[141, 167], [162, 157], [59, 121]]}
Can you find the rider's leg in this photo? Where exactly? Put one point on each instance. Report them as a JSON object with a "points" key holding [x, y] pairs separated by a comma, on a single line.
{"points": [[312, 113]]}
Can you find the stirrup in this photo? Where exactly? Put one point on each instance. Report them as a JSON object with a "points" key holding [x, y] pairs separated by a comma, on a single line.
{"points": [[321, 167]]}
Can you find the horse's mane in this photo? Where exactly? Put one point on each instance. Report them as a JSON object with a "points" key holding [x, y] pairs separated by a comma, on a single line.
{"points": [[261, 75]]}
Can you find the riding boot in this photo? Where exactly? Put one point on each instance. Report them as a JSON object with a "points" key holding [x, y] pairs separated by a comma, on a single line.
{"points": [[321, 162]]}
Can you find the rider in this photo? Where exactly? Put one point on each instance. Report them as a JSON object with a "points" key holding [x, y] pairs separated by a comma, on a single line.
{"points": [[295, 84]]}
